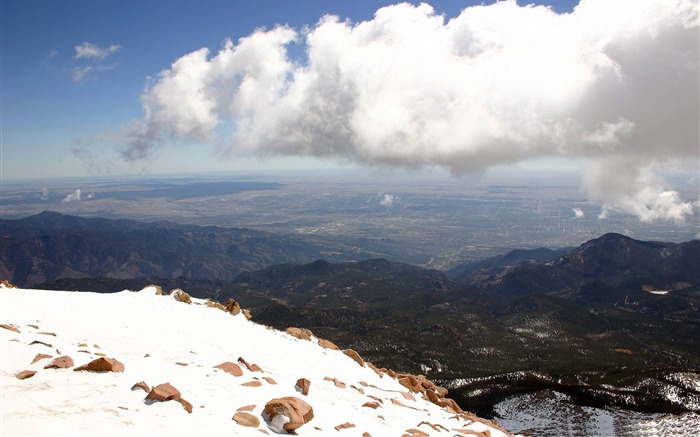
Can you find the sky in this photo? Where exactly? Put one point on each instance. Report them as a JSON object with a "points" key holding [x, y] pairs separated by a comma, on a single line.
{"points": [[609, 88], [159, 339]]}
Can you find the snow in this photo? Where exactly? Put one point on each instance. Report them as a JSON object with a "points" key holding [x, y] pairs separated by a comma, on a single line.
{"points": [[159, 340]]}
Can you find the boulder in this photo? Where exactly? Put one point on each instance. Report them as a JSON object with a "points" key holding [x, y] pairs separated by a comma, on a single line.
{"points": [[250, 367], [246, 419], [231, 368], [253, 383], [142, 385], [24, 374], [40, 357], [163, 392], [233, 307], [181, 296], [247, 314], [300, 333], [102, 364], [63, 362], [355, 356], [371, 404], [327, 344], [296, 410], [303, 386], [344, 426]]}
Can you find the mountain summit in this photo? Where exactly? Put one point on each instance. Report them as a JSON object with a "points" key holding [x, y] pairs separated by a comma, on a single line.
{"points": [[141, 363]]}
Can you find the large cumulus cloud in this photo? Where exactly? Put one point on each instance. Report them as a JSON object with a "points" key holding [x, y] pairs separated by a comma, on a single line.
{"points": [[613, 82]]}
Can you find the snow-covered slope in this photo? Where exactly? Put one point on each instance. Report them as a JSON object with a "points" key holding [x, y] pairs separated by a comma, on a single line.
{"points": [[160, 339]]}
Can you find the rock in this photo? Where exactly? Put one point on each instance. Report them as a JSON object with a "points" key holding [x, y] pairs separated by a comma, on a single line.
{"points": [[298, 412], [371, 404], [163, 392], [233, 307], [250, 367], [63, 362], [300, 333], [303, 386], [327, 344], [40, 342], [157, 290], [142, 385], [344, 426], [181, 296], [335, 381], [355, 356], [247, 314], [270, 380], [410, 382], [102, 365], [52, 334], [186, 405], [247, 408], [182, 364], [213, 304], [40, 357], [4, 283], [252, 384], [231, 368], [246, 419], [377, 371], [24, 374], [11, 328]]}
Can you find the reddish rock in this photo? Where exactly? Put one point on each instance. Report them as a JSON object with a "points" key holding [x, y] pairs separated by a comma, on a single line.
{"points": [[250, 367], [163, 392], [40, 342], [4, 283], [63, 362], [371, 404], [377, 371], [40, 357], [142, 385], [327, 344], [335, 381], [179, 363], [298, 411], [11, 328], [186, 405], [247, 408], [102, 365], [52, 334], [252, 384], [247, 314], [181, 296], [300, 333], [303, 386], [366, 434], [231, 368], [83, 345], [33, 326], [233, 307], [24, 374], [270, 380], [246, 419], [355, 356], [344, 426]]}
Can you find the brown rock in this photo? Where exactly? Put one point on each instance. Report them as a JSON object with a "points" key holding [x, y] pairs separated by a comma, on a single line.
{"points": [[231, 368], [142, 385], [449, 404], [298, 411], [366, 434], [233, 307], [213, 304], [327, 344], [181, 296], [24, 374], [83, 345], [4, 283], [182, 364], [163, 392], [303, 386], [252, 384], [355, 356], [300, 333], [344, 426], [33, 326], [247, 408], [247, 314], [52, 334], [246, 419], [335, 381], [159, 291], [63, 362], [11, 328], [371, 404], [415, 433], [410, 382], [270, 380], [377, 371], [250, 367], [102, 365], [100, 354], [40, 342], [186, 405], [40, 357], [96, 346]]}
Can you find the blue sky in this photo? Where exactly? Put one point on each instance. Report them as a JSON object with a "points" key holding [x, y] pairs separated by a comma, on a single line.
{"points": [[119, 87]]}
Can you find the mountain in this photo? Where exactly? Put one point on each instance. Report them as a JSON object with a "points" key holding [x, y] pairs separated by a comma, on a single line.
{"points": [[50, 246], [463, 272], [140, 363]]}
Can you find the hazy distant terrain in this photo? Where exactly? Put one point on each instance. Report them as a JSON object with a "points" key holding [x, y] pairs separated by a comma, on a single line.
{"points": [[430, 220]]}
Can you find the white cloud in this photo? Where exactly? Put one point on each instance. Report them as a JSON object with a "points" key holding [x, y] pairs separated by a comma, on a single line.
{"points": [[91, 51], [387, 200], [578, 212], [495, 85], [73, 197]]}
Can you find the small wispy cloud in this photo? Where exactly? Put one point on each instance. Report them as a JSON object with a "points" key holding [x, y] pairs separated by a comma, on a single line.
{"points": [[578, 212], [73, 197], [387, 200], [91, 51], [91, 56]]}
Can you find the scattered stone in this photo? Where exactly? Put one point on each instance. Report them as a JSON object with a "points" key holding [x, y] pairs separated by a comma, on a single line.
{"points": [[63, 362], [158, 290], [163, 392], [270, 380], [363, 384], [83, 351], [52, 334], [181, 296], [300, 333], [408, 396], [11, 328], [247, 314], [186, 405], [182, 364], [380, 400], [247, 408], [233, 307], [415, 433], [83, 345], [40, 342], [436, 427], [147, 356], [34, 326], [24, 374], [357, 388], [335, 381], [252, 384], [366, 434], [213, 304], [100, 354], [327, 344], [231, 368], [250, 367], [4, 283], [377, 371], [397, 402], [246, 419], [40, 357], [355, 356], [298, 411], [102, 365], [344, 426], [371, 404], [96, 346], [303, 386], [142, 385]]}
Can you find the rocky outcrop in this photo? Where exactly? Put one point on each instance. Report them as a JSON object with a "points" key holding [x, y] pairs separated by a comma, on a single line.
{"points": [[40, 357], [300, 333], [297, 411], [166, 392], [102, 364], [233, 307], [64, 362], [327, 344], [230, 368], [181, 296], [355, 356], [251, 367]]}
